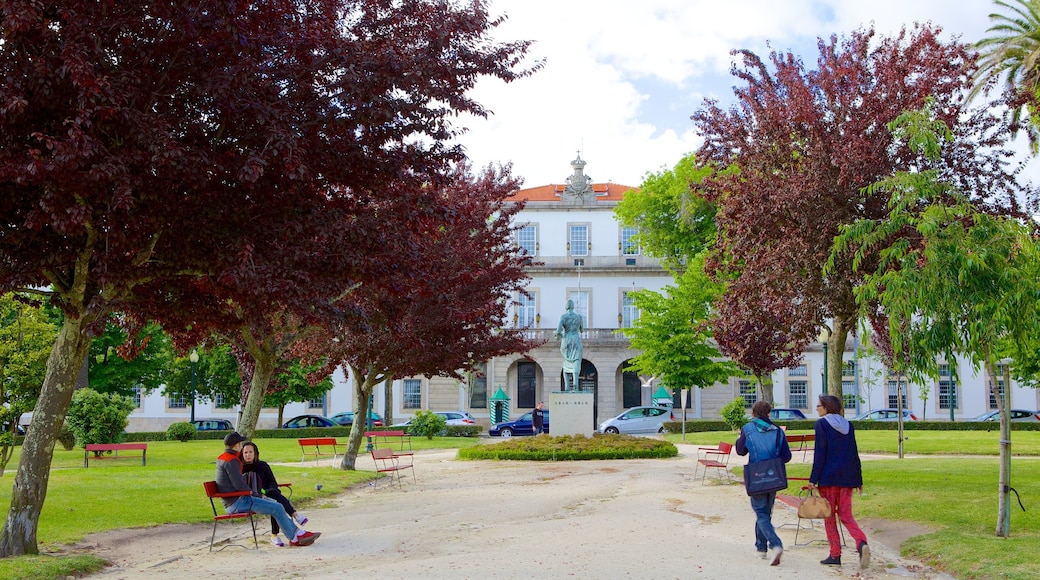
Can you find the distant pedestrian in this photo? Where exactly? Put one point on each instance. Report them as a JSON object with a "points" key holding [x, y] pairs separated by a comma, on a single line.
{"points": [[836, 472], [538, 418], [764, 440]]}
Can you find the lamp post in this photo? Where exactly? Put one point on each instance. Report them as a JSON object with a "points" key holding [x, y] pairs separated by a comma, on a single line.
{"points": [[825, 335], [194, 358]]}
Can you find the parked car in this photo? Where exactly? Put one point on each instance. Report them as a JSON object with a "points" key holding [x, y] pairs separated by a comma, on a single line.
{"points": [[522, 426], [213, 425], [347, 418], [885, 415], [786, 414], [450, 418], [638, 420], [304, 421], [1016, 415]]}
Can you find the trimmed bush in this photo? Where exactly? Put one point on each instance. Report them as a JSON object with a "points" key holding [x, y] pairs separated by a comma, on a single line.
{"points": [[182, 432], [427, 424], [98, 417], [572, 448], [734, 414]]}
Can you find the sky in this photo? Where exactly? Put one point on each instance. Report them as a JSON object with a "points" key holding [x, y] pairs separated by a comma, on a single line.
{"points": [[622, 78]]}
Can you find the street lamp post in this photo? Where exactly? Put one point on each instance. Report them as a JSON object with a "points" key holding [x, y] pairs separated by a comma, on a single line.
{"points": [[194, 358], [825, 335]]}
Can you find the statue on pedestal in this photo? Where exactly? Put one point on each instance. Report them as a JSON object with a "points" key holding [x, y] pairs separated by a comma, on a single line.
{"points": [[569, 332]]}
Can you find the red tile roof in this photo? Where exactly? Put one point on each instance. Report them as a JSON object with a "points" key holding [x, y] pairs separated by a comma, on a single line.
{"points": [[552, 192]]}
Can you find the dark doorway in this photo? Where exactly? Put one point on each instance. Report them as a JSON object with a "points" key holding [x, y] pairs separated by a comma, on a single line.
{"points": [[526, 384]]}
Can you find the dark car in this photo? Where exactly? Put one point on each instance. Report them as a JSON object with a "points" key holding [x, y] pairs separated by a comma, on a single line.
{"points": [[347, 418], [786, 414], [305, 421], [213, 425], [522, 426]]}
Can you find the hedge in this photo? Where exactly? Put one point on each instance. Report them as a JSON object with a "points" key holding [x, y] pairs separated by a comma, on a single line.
{"points": [[701, 425]]}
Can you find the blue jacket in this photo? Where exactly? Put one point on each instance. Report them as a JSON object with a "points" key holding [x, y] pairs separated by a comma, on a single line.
{"points": [[836, 459], [759, 437]]}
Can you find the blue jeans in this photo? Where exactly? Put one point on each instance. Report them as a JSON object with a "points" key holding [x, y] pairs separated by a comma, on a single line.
{"points": [[270, 507], [764, 532]]}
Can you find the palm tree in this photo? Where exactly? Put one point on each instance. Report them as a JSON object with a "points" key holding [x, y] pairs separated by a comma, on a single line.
{"points": [[1014, 51]]}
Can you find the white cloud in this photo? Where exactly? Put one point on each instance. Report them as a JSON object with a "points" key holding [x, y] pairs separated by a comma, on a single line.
{"points": [[622, 78]]}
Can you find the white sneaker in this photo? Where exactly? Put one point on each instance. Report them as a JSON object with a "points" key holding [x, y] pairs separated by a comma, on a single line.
{"points": [[774, 555], [277, 540], [300, 518], [761, 554]]}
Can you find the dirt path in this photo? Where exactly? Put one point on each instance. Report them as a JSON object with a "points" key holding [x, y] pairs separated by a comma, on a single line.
{"points": [[503, 520]]}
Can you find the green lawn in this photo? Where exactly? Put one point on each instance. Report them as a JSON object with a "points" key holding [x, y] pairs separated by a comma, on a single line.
{"points": [[957, 497]]}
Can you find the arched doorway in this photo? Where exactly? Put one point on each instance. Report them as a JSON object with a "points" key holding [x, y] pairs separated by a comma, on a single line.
{"points": [[631, 390]]}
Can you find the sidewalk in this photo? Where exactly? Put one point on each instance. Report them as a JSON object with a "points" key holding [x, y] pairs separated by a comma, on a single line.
{"points": [[505, 520]]}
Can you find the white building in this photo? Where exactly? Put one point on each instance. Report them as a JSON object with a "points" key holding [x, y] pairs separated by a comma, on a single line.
{"points": [[586, 256]]}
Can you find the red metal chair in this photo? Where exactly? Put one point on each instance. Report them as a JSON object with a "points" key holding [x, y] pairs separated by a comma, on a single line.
{"points": [[213, 494]]}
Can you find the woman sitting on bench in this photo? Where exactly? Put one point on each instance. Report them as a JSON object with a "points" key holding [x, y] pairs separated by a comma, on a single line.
{"points": [[251, 464]]}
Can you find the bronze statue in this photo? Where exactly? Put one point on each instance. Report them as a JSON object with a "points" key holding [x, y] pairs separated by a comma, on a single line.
{"points": [[569, 331]]}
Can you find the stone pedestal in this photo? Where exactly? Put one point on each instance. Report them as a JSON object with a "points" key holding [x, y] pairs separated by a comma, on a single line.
{"points": [[570, 413]]}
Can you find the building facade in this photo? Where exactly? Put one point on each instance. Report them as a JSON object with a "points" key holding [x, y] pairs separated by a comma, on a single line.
{"points": [[582, 253]]}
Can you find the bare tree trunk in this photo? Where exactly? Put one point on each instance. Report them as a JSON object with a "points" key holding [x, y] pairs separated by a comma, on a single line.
{"points": [[263, 373], [765, 387], [388, 401], [30, 483], [900, 394], [835, 360], [364, 383], [1004, 479]]}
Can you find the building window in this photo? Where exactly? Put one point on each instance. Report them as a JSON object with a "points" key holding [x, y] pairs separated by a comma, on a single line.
{"points": [[581, 305], [848, 369], [798, 371], [412, 394], [478, 387], [578, 240], [629, 247], [798, 394], [949, 398], [136, 395], [178, 402], [629, 312], [316, 403], [1000, 388], [525, 310], [526, 384], [527, 239], [221, 402], [893, 397], [749, 391], [849, 394]]}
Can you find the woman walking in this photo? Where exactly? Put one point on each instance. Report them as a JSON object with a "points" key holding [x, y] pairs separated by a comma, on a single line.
{"points": [[836, 472], [764, 440]]}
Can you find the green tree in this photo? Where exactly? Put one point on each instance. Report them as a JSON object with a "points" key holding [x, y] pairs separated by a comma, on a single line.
{"points": [[1013, 52], [216, 375], [951, 279], [298, 383], [98, 417], [117, 364], [26, 336], [672, 335]]}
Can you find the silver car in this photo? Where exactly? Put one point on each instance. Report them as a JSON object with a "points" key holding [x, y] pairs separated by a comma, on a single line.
{"points": [[1017, 415], [885, 415], [638, 420]]}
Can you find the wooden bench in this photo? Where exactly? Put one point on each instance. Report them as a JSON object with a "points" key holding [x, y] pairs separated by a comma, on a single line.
{"points": [[399, 441], [318, 447], [212, 494], [392, 465], [801, 442], [98, 448]]}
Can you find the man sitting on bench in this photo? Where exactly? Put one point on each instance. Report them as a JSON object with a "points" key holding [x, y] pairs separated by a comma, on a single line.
{"points": [[229, 478]]}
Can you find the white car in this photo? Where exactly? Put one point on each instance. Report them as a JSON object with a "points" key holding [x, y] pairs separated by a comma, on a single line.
{"points": [[1016, 415], [450, 418], [638, 420]]}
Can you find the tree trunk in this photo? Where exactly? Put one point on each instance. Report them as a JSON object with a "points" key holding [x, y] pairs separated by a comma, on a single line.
{"points": [[388, 401], [1004, 483], [765, 387], [835, 360], [30, 483], [363, 385], [263, 373]]}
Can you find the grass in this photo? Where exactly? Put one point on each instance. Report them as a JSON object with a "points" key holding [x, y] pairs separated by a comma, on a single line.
{"points": [[955, 496]]}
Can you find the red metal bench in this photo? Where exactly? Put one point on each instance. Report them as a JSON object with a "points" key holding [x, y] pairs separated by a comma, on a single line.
{"points": [[318, 447], [98, 448], [213, 494], [390, 464], [399, 441]]}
